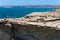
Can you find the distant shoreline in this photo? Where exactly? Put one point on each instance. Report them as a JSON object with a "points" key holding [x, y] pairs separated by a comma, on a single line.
{"points": [[54, 6]]}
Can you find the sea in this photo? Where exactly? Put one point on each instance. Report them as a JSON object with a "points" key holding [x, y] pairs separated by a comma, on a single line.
{"points": [[18, 12]]}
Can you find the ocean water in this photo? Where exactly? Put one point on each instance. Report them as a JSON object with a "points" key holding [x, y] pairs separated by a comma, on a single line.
{"points": [[17, 12]]}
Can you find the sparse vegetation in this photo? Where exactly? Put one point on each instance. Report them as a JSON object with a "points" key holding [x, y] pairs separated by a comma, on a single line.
{"points": [[27, 17], [41, 19]]}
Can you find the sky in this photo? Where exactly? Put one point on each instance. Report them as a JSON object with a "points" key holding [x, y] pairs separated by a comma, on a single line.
{"points": [[29, 2]]}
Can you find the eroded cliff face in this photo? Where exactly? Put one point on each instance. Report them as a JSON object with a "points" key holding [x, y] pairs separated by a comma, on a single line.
{"points": [[28, 32], [5, 32]]}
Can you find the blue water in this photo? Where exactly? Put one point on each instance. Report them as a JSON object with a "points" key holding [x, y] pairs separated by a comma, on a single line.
{"points": [[17, 12]]}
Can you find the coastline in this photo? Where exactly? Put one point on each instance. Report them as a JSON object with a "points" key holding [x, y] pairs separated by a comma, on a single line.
{"points": [[34, 26], [51, 19]]}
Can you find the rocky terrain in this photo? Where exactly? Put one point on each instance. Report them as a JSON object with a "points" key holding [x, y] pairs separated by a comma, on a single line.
{"points": [[34, 26]]}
